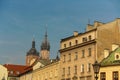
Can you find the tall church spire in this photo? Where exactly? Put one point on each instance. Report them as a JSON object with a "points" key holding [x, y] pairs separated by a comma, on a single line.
{"points": [[45, 44], [45, 47]]}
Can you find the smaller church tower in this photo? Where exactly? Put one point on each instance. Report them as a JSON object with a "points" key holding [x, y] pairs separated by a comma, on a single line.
{"points": [[32, 55], [45, 48]]}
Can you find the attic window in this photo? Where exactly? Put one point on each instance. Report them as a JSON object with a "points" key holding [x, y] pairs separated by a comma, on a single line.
{"points": [[117, 56], [11, 72], [18, 72]]}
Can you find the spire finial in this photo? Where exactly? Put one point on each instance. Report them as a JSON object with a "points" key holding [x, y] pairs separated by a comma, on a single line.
{"points": [[33, 37], [33, 42], [46, 30]]}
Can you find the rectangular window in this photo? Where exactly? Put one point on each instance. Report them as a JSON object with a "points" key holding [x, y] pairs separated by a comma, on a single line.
{"points": [[82, 68], [102, 76], [89, 37], [76, 56], [76, 42], [64, 57], [83, 53], [69, 57], [64, 45], [75, 69], [115, 75], [68, 70], [70, 44], [82, 78], [84, 39], [88, 67], [89, 51], [63, 71]]}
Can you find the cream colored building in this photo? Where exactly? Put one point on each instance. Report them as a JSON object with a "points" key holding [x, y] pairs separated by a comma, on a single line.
{"points": [[3, 73], [26, 76], [110, 66], [47, 72], [79, 51]]}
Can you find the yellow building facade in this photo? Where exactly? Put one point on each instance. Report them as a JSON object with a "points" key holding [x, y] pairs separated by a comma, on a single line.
{"points": [[110, 66], [79, 51], [3, 73], [47, 72]]}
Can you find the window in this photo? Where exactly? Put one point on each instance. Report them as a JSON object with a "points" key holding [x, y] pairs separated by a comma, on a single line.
{"points": [[69, 57], [84, 39], [89, 51], [68, 70], [11, 72], [89, 77], [76, 56], [83, 53], [82, 78], [17, 72], [70, 44], [76, 42], [102, 76], [64, 57], [117, 56], [82, 68], [115, 75], [64, 45], [75, 69], [63, 71], [88, 67], [89, 37]]}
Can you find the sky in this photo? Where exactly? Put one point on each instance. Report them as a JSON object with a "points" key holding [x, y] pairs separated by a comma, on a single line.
{"points": [[20, 20]]}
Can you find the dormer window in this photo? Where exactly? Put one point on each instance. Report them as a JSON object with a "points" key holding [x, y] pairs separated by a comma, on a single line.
{"points": [[11, 72], [117, 56]]}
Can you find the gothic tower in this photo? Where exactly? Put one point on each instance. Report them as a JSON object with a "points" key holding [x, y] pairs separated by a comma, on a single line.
{"points": [[45, 48], [32, 54]]}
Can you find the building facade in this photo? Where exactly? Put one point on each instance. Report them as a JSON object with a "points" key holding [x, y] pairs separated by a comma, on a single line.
{"points": [[3, 73], [79, 52], [110, 65], [47, 72], [26, 74]]}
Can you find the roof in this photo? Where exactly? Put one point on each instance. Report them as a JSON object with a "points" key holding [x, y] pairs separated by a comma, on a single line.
{"points": [[64, 39], [110, 60], [33, 50], [15, 70]]}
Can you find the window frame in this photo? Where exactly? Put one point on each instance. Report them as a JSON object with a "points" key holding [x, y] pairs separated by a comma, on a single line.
{"points": [[103, 76]]}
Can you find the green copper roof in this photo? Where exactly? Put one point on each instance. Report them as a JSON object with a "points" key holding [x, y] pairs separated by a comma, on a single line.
{"points": [[110, 60]]}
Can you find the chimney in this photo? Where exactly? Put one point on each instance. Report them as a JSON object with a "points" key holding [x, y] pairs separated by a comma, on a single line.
{"points": [[114, 46], [75, 33], [106, 53]]}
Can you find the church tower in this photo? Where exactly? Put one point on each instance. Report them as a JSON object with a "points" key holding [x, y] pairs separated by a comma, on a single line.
{"points": [[32, 55], [45, 48]]}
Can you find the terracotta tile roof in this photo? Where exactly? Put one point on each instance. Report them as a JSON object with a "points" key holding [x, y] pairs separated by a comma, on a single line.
{"points": [[27, 69], [15, 70]]}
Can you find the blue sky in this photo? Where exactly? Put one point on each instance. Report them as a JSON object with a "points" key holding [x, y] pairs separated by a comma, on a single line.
{"points": [[21, 19]]}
